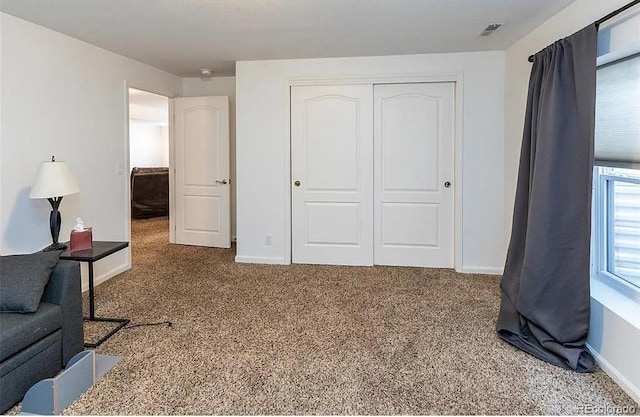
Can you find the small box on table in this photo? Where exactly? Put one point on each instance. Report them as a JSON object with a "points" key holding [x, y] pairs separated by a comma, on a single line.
{"points": [[81, 240]]}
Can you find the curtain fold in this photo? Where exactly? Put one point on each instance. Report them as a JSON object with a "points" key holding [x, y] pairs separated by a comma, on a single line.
{"points": [[545, 286]]}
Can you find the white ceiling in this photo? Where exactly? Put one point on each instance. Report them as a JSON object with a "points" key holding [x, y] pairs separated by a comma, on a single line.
{"points": [[183, 36], [145, 99], [148, 108]]}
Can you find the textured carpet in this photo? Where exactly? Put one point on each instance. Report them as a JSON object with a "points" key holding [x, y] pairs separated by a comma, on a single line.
{"points": [[260, 339]]}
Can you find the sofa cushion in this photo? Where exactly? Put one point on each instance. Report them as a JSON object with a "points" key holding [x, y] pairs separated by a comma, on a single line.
{"points": [[23, 278], [18, 331], [27, 367]]}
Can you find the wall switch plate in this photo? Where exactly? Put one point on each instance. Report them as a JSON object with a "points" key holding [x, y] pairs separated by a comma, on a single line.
{"points": [[267, 240]]}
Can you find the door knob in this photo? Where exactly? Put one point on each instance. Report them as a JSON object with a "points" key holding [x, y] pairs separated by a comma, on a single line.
{"points": [[447, 184], [297, 183], [223, 182]]}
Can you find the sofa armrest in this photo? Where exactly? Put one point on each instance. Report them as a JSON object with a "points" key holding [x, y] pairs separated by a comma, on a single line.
{"points": [[64, 289]]}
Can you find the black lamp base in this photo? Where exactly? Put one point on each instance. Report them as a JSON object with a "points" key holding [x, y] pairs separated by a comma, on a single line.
{"points": [[54, 225], [55, 246]]}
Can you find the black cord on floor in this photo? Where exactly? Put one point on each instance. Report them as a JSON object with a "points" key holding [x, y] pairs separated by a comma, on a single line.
{"points": [[131, 326]]}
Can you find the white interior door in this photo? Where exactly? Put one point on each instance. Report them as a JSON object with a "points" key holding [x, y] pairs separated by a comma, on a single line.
{"points": [[414, 170], [332, 174], [202, 191]]}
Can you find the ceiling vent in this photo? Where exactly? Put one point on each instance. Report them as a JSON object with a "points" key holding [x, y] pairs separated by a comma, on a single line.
{"points": [[489, 30]]}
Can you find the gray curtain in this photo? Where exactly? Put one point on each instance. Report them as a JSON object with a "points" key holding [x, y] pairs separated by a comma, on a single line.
{"points": [[545, 285]]}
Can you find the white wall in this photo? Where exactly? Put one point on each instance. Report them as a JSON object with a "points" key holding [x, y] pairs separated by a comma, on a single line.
{"points": [[64, 97], [149, 144], [262, 143], [220, 86], [612, 335]]}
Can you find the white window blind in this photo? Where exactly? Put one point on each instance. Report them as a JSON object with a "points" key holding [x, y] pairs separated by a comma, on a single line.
{"points": [[617, 135], [624, 260]]}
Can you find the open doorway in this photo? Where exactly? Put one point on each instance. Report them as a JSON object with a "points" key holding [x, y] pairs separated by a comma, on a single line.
{"points": [[149, 167]]}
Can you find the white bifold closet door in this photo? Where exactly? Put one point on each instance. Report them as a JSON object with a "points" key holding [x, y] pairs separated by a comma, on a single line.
{"points": [[414, 170], [332, 174], [372, 171]]}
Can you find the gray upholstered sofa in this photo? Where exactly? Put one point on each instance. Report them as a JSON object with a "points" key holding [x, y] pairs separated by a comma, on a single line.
{"points": [[34, 346]]}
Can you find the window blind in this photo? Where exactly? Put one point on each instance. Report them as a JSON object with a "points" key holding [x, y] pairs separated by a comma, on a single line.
{"points": [[617, 135]]}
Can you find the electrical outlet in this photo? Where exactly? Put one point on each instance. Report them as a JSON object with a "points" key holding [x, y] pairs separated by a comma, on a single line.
{"points": [[267, 240]]}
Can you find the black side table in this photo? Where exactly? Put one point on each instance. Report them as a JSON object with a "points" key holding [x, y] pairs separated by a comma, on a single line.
{"points": [[100, 250]]}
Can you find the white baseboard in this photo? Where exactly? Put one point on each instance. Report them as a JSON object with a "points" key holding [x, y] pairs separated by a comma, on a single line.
{"points": [[260, 260], [97, 280], [281, 261], [628, 387], [481, 270]]}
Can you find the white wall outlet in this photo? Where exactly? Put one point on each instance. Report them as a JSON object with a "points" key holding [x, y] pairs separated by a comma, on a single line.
{"points": [[120, 168], [267, 240]]}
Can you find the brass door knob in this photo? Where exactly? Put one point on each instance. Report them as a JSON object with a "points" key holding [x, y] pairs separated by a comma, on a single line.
{"points": [[297, 183], [223, 182]]}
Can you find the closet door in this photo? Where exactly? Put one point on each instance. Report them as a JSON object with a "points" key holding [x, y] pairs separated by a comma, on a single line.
{"points": [[332, 174], [414, 170]]}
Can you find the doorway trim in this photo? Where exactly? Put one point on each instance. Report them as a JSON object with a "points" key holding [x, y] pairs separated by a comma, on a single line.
{"points": [[127, 162], [455, 77]]}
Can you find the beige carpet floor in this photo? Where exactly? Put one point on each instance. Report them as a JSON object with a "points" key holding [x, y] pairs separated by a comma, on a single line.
{"points": [[260, 339]]}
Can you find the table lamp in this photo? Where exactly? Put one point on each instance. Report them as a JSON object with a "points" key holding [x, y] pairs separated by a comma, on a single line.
{"points": [[53, 181]]}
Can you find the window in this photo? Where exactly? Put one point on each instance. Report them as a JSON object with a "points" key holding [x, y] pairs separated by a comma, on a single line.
{"points": [[616, 182], [617, 225]]}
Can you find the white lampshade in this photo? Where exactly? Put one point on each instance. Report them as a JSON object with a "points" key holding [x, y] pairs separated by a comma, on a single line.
{"points": [[54, 179]]}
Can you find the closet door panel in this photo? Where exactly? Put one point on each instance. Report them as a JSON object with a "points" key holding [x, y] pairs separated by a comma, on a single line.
{"points": [[332, 174], [414, 160]]}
